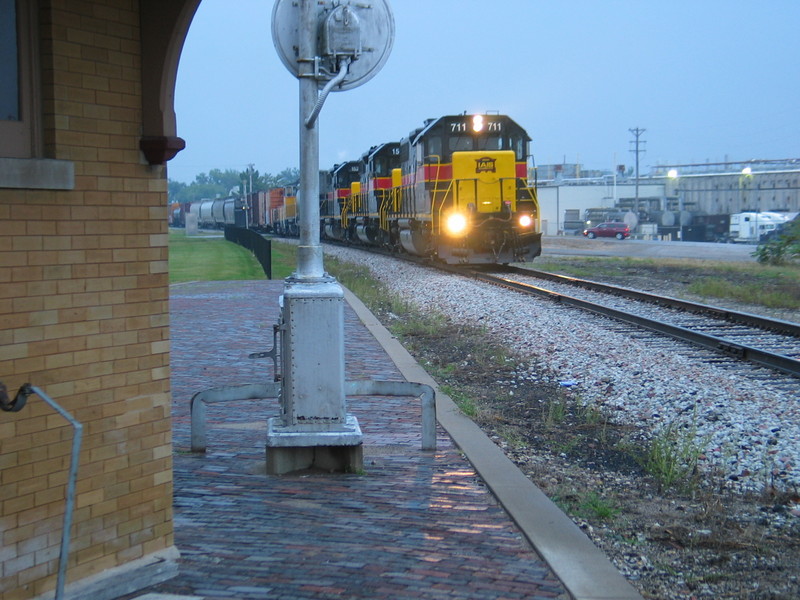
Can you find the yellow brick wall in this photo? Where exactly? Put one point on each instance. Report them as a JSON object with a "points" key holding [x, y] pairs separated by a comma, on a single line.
{"points": [[84, 316]]}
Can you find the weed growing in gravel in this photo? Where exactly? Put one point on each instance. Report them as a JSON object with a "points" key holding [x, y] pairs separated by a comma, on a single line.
{"points": [[463, 401], [566, 445], [586, 504], [556, 411], [592, 415], [512, 437], [598, 506], [672, 456]]}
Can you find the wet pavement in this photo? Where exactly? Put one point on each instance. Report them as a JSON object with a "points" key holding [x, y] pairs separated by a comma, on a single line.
{"points": [[414, 524]]}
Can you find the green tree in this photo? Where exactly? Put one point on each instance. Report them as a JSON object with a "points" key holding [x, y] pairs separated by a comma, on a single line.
{"points": [[290, 176], [175, 189], [218, 183]]}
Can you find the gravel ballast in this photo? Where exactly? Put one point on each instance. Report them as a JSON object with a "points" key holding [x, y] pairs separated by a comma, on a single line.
{"points": [[748, 428]]}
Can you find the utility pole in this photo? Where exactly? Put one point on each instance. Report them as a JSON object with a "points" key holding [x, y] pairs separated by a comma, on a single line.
{"points": [[637, 133]]}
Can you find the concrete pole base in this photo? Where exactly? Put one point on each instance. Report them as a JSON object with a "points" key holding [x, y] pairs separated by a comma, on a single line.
{"points": [[333, 447], [333, 459]]}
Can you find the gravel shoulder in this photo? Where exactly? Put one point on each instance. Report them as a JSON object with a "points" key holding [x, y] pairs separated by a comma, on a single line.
{"points": [[557, 405]]}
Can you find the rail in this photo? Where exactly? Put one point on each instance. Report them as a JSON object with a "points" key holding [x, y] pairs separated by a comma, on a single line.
{"points": [[763, 358], [15, 406], [733, 316], [257, 391]]}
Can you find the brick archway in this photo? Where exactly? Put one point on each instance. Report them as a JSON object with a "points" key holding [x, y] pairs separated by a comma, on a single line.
{"points": [[164, 26]]}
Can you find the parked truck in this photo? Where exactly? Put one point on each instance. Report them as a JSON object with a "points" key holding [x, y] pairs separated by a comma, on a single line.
{"points": [[751, 227]]}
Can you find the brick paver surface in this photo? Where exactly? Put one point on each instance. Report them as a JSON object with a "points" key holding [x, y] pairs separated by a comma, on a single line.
{"points": [[415, 524]]}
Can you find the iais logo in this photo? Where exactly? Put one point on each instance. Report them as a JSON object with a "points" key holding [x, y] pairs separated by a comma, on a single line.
{"points": [[485, 165]]}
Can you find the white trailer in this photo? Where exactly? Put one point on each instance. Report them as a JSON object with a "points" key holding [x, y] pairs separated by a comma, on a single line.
{"points": [[750, 227]]}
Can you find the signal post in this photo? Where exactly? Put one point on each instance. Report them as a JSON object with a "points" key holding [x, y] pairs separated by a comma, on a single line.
{"points": [[328, 46]]}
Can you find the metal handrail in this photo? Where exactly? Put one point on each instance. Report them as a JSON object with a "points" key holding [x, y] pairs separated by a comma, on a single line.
{"points": [[15, 406], [257, 391]]}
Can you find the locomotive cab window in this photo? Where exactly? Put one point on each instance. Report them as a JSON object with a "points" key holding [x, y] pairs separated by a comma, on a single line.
{"points": [[519, 149], [433, 150], [468, 143]]}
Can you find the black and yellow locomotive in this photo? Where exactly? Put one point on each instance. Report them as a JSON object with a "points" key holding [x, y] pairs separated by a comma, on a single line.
{"points": [[455, 189]]}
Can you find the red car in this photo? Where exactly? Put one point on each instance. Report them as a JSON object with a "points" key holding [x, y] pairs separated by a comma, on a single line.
{"points": [[617, 230]]}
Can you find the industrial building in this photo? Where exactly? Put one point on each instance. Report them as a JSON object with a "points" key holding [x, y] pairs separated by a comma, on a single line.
{"points": [[669, 198]]}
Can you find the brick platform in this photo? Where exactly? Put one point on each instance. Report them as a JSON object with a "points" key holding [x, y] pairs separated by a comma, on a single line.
{"points": [[415, 524]]}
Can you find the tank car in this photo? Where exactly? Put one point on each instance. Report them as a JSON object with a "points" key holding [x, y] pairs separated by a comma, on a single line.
{"points": [[177, 214], [216, 213]]}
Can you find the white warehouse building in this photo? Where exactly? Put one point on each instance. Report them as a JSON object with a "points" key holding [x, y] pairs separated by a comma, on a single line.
{"points": [[670, 195]]}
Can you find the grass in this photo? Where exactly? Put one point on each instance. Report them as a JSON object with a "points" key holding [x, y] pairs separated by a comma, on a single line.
{"points": [[758, 292], [284, 259], [773, 286], [586, 504], [672, 456], [205, 258], [211, 258]]}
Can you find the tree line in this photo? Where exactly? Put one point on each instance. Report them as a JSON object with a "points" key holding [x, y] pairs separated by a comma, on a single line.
{"points": [[230, 182]]}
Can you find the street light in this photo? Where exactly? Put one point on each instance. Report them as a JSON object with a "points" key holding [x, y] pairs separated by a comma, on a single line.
{"points": [[744, 181], [672, 174]]}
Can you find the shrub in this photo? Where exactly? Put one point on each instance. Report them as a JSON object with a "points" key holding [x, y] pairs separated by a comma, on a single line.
{"points": [[783, 248]]}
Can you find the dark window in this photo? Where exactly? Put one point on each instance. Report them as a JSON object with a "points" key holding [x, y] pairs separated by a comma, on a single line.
{"points": [[433, 149], [9, 62], [19, 89]]}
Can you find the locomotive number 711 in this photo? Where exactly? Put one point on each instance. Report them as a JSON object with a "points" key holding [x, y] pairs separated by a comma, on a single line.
{"points": [[494, 126]]}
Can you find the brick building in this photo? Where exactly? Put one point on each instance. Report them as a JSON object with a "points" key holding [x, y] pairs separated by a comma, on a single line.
{"points": [[86, 126]]}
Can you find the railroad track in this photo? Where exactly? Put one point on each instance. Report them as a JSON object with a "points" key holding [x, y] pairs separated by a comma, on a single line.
{"points": [[769, 343]]}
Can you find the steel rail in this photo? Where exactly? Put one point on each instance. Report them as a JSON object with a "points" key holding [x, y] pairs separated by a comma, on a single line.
{"points": [[732, 316], [723, 346], [763, 358]]}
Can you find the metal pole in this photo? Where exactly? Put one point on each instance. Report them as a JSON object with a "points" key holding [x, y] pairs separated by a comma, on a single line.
{"points": [[250, 199], [314, 426], [309, 252], [69, 507]]}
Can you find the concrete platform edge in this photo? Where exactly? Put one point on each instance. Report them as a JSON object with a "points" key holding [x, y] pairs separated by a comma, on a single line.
{"points": [[112, 583], [584, 570]]}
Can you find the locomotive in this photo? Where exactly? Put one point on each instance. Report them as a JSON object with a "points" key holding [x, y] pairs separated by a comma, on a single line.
{"points": [[456, 190]]}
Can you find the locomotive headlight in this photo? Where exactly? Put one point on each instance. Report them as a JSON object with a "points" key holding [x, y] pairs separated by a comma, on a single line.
{"points": [[477, 123], [456, 224], [525, 221]]}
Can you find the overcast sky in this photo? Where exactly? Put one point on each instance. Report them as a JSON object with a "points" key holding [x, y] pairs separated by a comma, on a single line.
{"points": [[709, 80]]}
